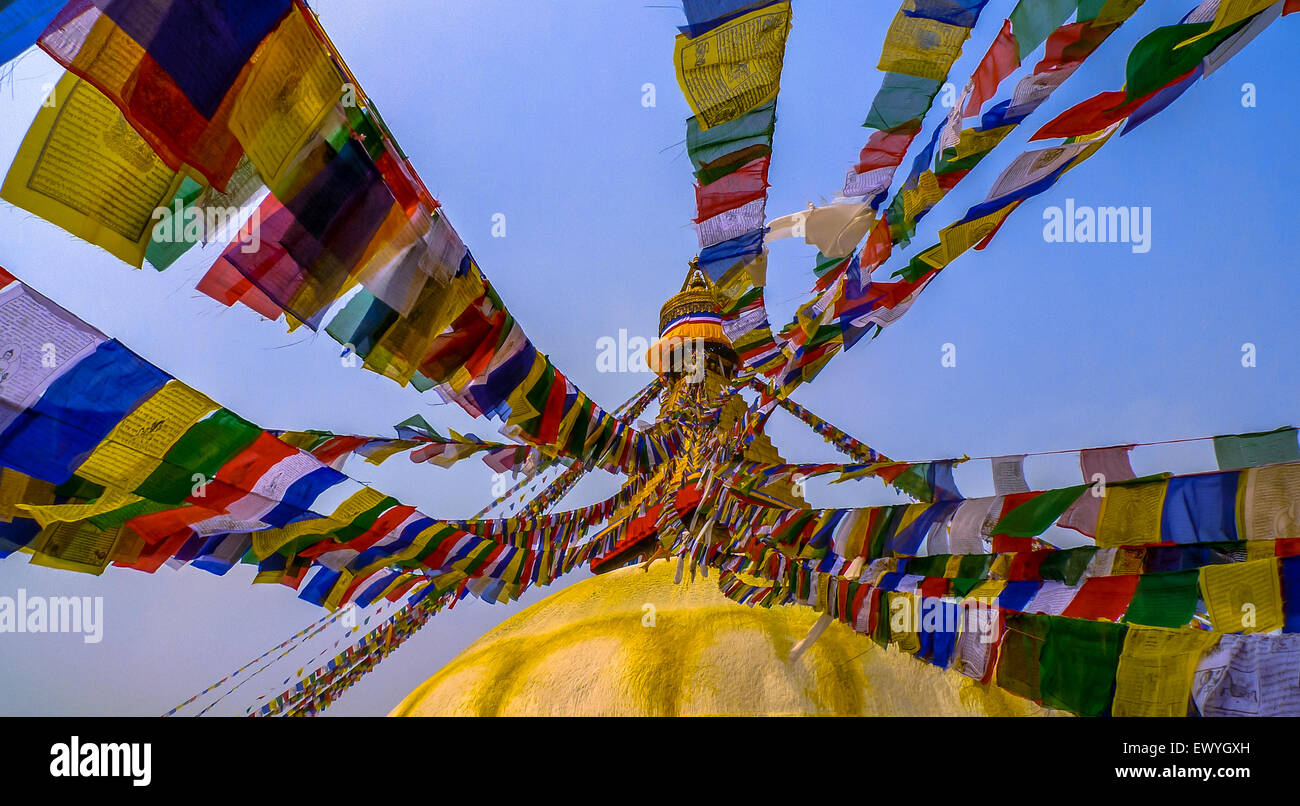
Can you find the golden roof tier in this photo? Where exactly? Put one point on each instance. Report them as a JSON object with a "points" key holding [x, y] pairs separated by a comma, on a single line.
{"points": [[690, 329]]}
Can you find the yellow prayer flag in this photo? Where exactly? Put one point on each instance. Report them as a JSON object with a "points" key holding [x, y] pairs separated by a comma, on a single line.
{"points": [[925, 195], [735, 67], [110, 500], [912, 512], [961, 236], [935, 256], [1127, 561], [1270, 502], [989, 589], [1229, 13], [1155, 671], [380, 455], [1130, 514], [1261, 549], [335, 597], [1243, 597], [17, 488], [75, 546], [83, 168], [1116, 11], [520, 409], [921, 47], [136, 446], [953, 568], [293, 85], [1000, 568], [904, 617], [970, 141]]}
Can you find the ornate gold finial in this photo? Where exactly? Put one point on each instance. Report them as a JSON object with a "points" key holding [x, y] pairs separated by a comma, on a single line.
{"points": [[695, 277]]}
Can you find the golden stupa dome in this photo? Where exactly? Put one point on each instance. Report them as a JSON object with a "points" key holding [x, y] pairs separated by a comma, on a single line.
{"points": [[633, 643]]}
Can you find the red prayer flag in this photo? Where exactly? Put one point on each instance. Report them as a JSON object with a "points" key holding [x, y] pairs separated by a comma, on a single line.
{"points": [[934, 587], [884, 149], [1025, 565], [553, 414], [226, 285], [1096, 113], [1001, 59], [733, 190], [1103, 598], [1069, 45], [1005, 544], [1289, 546], [878, 246], [238, 477]]}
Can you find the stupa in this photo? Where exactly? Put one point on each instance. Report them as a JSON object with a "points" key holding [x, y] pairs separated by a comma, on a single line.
{"points": [[641, 638]]}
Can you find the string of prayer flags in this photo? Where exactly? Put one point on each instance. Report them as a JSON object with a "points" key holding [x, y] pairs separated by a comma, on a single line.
{"points": [[143, 153], [959, 150], [171, 478]]}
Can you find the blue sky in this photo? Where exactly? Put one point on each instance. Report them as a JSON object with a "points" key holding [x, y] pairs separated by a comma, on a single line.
{"points": [[534, 110]]}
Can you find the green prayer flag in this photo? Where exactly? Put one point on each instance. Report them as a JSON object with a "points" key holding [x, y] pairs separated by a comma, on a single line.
{"points": [[201, 451], [1032, 21], [881, 635], [1077, 665], [931, 566], [1088, 9], [963, 585], [119, 516], [1067, 565], [900, 100], [1018, 659], [755, 127], [914, 270], [180, 226], [77, 487], [1165, 600], [1238, 451], [1157, 60], [975, 566], [825, 264], [1034, 516]]}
